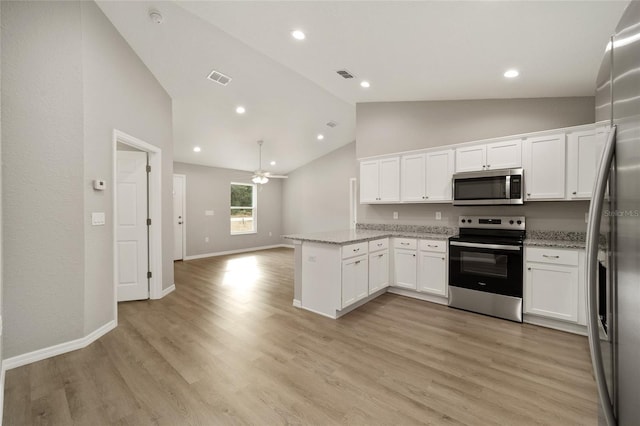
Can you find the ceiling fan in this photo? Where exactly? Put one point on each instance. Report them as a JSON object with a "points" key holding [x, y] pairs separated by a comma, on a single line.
{"points": [[260, 176]]}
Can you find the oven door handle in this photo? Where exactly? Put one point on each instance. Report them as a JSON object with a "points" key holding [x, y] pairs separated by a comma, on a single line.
{"points": [[485, 246]]}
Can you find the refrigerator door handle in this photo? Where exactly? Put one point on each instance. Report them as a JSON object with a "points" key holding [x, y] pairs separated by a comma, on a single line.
{"points": [[593, 240]]}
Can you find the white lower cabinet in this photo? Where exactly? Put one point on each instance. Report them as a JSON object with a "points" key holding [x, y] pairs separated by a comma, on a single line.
{"points": [[553, 286], [405, 268], [432, 273], [378, 271], [355, 280]]}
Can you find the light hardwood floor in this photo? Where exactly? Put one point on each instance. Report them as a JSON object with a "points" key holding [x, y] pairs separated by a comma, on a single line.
{"points": [[227, 347]]}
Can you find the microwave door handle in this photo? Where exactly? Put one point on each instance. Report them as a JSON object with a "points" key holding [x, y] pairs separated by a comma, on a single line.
{"points": [[593, 239], [507, 187]]}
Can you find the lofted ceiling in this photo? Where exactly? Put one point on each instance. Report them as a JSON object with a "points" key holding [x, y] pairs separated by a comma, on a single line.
{"points": [[417, 50]]}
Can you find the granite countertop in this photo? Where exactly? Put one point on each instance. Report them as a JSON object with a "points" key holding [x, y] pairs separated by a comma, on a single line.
{"points": [[558, 239], [368, 232]]}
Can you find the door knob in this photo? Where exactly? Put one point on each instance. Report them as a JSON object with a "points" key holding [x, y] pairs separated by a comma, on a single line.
{"points": [[179, 223]]}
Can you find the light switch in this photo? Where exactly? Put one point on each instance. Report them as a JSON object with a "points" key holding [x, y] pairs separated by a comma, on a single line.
{"points": [[208, 212], [97, 218], [438, 215]]}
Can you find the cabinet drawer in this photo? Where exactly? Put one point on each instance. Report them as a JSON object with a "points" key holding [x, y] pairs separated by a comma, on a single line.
{"points": [[379, 244], [553, 256], [356, 249], [405, 243], [434, 245]]}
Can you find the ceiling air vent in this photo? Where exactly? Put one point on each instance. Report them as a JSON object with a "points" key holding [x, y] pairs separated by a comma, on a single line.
{"points": [[332, 124], [219, 78], [344, 74]]}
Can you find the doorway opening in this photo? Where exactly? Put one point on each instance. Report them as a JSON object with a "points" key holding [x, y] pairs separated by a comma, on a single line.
{"points": [[126, 217]]}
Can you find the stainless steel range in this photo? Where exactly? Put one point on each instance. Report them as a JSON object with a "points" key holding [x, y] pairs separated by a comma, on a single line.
{"points": [[485, 266]]}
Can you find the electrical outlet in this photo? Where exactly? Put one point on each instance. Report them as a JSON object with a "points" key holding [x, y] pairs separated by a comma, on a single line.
{"points": [[438, 215], [208, 212], [395, 215], [206, 239], [586, 217], [270, 234]]}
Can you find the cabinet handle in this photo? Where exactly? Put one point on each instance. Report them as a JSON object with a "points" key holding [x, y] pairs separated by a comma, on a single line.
{"points": [[414, 255], [550, 257], [432, 245], [356, 250], [528, 269], [574, 192], [443, 258], [404, 244], [488, 165], [380, 255], [426, 198], [379, 244], [484, 167], [528, 194], [357, 262]]}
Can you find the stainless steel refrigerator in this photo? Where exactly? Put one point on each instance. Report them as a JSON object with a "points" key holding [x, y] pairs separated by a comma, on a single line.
{"points": [[613, 234]]}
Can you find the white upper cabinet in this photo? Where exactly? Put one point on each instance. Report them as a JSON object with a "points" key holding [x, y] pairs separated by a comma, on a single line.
{"points": [[491, 156], [471, 158], [504, 155], [413, 177], [439, 172], [380, 180], [427, 177], [544, 167], [583, 155]]}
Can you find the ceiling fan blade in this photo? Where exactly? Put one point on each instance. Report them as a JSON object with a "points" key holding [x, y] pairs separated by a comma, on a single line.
{"points": [[277, 176]]}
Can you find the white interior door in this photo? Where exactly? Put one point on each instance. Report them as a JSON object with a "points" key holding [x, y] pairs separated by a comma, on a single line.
{"points": [[131, 226], [178, 216]]}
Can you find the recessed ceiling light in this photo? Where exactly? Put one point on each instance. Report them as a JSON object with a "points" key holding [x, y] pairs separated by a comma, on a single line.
{"points": [[196, 149], [298, 35], [273, 163], [320, 136], [365, 84], [511, 73], [240, 110]]}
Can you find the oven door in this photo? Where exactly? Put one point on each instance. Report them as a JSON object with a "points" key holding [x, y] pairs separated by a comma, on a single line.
{"points": [[492, 268]]}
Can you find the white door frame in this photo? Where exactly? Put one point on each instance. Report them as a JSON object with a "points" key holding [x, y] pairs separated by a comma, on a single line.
{"points": [[184, 213], [155, 211]]}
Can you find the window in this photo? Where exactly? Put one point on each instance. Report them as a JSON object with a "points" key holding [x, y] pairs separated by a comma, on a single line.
{"points": [[243, 208]]}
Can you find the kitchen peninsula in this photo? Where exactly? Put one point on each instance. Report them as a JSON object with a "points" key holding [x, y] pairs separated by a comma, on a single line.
{"points": [[336, 272]]}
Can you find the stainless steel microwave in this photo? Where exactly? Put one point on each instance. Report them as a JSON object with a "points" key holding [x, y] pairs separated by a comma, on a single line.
{"points": [[491, 187]]}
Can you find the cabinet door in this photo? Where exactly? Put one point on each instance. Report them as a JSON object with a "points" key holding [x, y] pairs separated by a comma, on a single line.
{"points": [[544, 167], [354, 280], [369, 178], [439, 170], [552, 291], [413, 180], [389, 179], [432, 273], [471, 158], [405, 267], [504, 155], [378, 271], [583, 154]]}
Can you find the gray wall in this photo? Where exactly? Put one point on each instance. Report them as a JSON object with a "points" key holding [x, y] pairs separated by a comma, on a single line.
{"points": [[316, 196], [385, 127], [208, 188], [68, 80], [119, 93], [43, 186]]}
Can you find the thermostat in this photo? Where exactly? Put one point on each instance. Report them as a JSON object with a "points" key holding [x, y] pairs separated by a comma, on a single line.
{"points": [[100, 185]]}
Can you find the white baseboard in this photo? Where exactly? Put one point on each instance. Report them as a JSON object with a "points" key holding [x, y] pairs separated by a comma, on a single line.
{"points": [[555, 324], [244, 250], [167, 290], [44, 353], [418, 295], [297, 303]]}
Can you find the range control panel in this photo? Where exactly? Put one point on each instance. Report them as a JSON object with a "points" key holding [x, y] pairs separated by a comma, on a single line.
{"points": [[492, 222]]}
